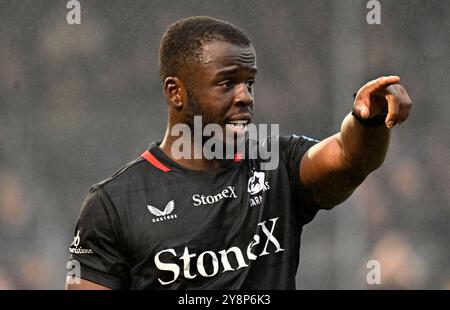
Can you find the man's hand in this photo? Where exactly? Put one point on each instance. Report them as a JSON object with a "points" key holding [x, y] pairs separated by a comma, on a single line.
{"points": [[383, 96], [333, 168]]}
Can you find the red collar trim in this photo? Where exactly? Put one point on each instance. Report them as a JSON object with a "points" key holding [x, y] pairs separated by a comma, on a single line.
{"points": [[155, 162]]}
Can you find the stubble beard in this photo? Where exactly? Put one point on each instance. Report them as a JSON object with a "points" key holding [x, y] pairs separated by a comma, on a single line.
{"points": [[194, 109]]}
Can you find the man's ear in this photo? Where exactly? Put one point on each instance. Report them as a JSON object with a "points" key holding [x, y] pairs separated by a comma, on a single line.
{"points": [[175, 91]]}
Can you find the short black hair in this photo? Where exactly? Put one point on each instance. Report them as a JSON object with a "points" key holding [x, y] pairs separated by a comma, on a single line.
{"points": [[182, 43]]}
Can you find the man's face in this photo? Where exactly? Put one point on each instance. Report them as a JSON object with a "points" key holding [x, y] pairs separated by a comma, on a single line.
{"points": [[221, 86]]}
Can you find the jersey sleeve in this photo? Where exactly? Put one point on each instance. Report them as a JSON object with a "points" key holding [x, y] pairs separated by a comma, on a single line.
{"points": [[293, 148], [97, 245]]}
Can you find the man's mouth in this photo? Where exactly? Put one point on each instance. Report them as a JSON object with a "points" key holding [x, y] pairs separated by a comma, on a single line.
{"points": [[238, 125]]}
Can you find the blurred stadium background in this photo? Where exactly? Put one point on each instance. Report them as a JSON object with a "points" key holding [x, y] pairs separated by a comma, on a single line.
{"points": [[79, 101]]}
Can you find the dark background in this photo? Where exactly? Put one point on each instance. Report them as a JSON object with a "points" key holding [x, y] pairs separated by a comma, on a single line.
{"points": [[79, 101]]}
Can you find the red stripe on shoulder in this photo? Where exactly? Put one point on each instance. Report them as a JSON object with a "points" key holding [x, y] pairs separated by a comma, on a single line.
{"points": [[155, 162]]}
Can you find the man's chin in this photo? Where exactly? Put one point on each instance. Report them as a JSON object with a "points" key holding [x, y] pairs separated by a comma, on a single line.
{"points": [[234, 141], [238, 129]]}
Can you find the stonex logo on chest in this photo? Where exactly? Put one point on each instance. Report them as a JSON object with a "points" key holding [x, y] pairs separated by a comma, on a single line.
{"points": [[212, 199], [212, 258]]}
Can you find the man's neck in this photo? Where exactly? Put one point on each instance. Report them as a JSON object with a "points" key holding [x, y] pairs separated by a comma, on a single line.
{"points": [[201, 164]]}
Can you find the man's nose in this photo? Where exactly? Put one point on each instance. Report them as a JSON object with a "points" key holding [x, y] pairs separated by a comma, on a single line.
{"points": [[244, 96]]}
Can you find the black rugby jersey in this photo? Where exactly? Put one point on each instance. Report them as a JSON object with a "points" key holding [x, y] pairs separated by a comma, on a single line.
{"points": [[157, 225]]}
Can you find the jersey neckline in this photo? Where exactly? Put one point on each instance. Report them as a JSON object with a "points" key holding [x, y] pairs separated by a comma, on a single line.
{"points": [[166, 164]]}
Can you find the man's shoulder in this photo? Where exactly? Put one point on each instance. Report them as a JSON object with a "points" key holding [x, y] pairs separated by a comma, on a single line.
{"points": [[274, 145], [131, 176], [295, 137], [282, 139]]}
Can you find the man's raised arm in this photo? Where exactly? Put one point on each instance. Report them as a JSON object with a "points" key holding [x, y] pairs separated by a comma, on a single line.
{"points": [[332, 169]]}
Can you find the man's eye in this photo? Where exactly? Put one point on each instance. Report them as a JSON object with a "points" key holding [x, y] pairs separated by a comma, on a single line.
{"points": [[250, 83], [228, 84]]}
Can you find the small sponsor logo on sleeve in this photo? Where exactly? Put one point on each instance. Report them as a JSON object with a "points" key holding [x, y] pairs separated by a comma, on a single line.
{"points": [[75, 247]]}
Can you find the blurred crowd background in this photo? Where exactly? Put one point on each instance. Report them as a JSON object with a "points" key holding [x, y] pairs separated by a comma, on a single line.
{"points": [[79, 101]]}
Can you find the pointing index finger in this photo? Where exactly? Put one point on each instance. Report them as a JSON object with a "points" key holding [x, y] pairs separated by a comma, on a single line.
{"points": [[381, 83]]}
